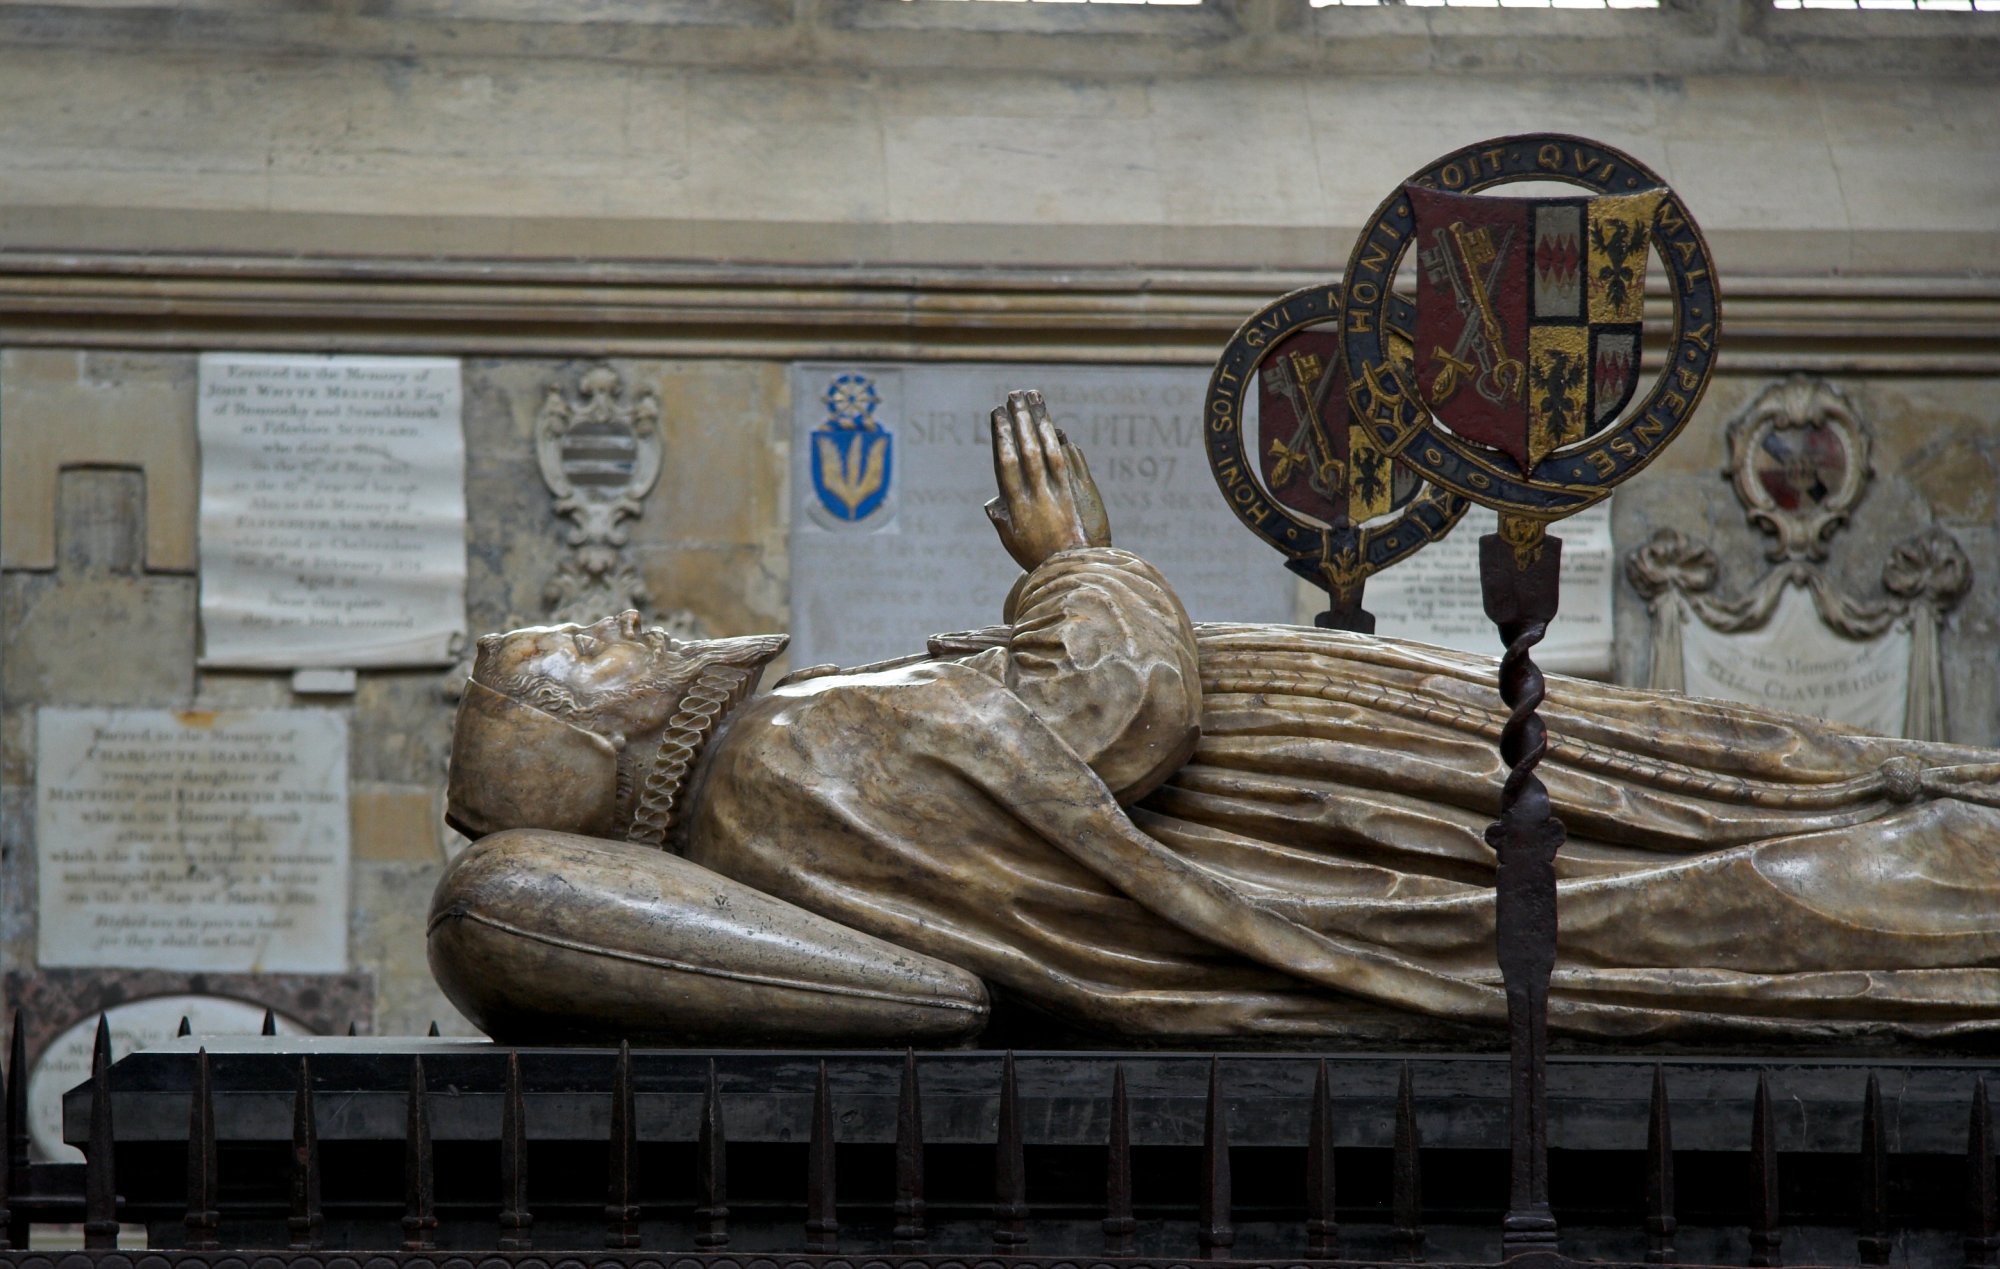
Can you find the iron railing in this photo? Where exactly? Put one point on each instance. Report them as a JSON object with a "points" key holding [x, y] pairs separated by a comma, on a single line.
{"points": [[1038, 1203]]}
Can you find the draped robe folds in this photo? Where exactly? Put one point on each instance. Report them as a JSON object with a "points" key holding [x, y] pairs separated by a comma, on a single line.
{"points": [[1156, 829]]}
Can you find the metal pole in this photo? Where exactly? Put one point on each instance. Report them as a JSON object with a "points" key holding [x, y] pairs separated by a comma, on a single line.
{"points": [[1519, 572]]}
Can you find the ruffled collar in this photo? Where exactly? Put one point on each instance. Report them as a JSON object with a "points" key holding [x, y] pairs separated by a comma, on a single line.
{"points": [[715, 692]]}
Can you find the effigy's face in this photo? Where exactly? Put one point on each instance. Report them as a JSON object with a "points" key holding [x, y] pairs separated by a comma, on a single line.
{"points": [[605, 656], [601, 675]]}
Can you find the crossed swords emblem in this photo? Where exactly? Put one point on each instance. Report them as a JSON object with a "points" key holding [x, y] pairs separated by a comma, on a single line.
{"points": [[1468, 262]]}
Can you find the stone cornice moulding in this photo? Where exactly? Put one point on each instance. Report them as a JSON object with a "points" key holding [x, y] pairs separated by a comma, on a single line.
{"points": [[1229, 36], [1914, 324]]}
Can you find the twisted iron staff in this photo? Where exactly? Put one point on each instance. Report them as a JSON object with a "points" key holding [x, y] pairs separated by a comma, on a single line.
{"points": [[1519, 572]]}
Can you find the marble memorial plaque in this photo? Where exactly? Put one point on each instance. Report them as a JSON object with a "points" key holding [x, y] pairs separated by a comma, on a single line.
{"points": [[195, 840], [893, 465], [1434, 596], [1795, 663], [332, 511], [140, 1024]]}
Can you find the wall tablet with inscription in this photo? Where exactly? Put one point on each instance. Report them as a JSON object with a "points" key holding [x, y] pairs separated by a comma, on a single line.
{"points": [[192, 839], [892, 465], [1523, 393], [332, 511], [1293, 469]]}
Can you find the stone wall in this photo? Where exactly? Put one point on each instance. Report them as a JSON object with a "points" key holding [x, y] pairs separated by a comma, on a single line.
{"points": [[1242, 133], [106, 627]]}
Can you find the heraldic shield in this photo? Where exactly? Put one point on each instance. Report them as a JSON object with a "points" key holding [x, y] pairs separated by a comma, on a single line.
{"points": [[1528, 314], [852, 451], [1311, 459]]}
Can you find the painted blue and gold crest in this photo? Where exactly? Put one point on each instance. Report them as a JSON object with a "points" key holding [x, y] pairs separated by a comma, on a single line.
{"points": [[852, 451]]}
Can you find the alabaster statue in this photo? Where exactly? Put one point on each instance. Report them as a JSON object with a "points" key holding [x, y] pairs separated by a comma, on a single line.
{"points": [[1104, 816]]}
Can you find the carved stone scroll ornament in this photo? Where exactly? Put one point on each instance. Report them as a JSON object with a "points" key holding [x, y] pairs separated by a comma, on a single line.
{"points": [[600, 456], [1930, 574], [1799, 461]]}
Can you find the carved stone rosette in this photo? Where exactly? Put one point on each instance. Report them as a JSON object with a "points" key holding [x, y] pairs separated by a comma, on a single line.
{"points": [[1800, 463]]}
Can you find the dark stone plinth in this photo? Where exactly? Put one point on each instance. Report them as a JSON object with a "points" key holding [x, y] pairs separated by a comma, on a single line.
{"points": [[1598, 1112], [1595, 1103]]}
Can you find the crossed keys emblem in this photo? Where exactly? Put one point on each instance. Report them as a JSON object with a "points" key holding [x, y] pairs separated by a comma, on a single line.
{"points": [[1296, 470], [1539, 303], [1303, 379], [1467, 261]]}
